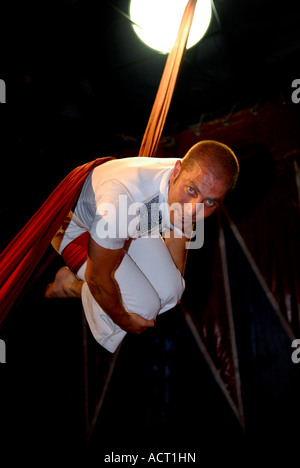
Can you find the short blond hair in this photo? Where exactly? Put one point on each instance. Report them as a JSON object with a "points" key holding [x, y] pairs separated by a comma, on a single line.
{"points": [[216, 156]]}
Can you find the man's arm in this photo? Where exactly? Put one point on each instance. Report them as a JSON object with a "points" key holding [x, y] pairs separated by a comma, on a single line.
{"points": [[101, 265], [177, 249]]}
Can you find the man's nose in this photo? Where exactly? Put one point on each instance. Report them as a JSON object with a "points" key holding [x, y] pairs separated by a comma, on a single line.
{"points": [[197, 210], [192, 208]]}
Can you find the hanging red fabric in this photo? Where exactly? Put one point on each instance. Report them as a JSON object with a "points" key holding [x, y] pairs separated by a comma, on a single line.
{"points": [[167, 84], [21, 256]]}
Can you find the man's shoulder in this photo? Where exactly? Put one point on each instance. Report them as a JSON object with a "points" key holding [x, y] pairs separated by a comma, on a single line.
{"points": [[133, 171], [139, 177], [138, 162]]}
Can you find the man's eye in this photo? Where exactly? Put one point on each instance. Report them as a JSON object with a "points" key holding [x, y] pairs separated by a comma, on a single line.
{"points": [[191, 190], [209, 203]]}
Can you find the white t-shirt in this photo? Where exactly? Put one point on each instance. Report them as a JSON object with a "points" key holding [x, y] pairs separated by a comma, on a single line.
{"points": [[123, 198]]}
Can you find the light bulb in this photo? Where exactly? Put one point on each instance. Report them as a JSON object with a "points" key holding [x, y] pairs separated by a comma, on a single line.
{"points": [[156, 22]]}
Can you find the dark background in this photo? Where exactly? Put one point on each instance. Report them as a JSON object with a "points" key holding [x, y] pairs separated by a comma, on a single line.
{"points": [[80, 85]]}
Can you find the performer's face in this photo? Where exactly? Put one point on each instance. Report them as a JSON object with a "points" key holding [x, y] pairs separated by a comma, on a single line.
{"points": [[191, 186]]}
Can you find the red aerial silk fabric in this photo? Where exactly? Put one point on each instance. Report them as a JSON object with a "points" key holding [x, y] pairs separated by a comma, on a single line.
{"points": [[75, 253], [167, 84], [21, 256]]}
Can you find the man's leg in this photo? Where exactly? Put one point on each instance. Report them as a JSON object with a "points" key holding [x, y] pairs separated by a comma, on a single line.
{"points": [[153, 258], [147, 273], [138, 295], [148, 280]]}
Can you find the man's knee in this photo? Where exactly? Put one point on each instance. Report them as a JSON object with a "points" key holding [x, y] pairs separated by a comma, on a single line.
{"points": [[173, 288], [151, 307]]}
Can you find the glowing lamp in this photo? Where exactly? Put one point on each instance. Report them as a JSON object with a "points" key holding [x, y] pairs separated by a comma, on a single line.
{"points": [[156, 22]]}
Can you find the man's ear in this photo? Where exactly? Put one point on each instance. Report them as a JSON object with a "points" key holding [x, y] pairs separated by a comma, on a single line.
{"points": [[175, 172]]}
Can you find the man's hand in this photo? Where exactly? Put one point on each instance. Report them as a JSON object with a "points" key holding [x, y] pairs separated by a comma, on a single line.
{"points": [[138, 324]]}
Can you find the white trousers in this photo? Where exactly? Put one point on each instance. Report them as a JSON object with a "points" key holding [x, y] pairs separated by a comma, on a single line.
{"points": [[149, 283]]}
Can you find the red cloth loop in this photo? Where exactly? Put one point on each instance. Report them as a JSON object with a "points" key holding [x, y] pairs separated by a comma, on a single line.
{"points": [[75, 253]]}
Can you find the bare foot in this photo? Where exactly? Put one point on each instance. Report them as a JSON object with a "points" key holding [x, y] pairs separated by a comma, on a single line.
{"points": [[65, 285]]}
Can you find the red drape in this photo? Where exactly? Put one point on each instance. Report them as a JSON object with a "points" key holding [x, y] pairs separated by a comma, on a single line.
{"points": [[21, 256]]}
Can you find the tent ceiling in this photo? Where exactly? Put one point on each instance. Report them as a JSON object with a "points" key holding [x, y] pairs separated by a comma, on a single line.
{"points": [[81, 59]]}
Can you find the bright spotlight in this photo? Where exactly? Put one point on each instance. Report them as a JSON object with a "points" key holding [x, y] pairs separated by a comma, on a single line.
{"points": [[157, 22]]}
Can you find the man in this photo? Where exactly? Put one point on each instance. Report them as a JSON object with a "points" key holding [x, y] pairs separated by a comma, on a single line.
{"points": [[127, 273]]}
